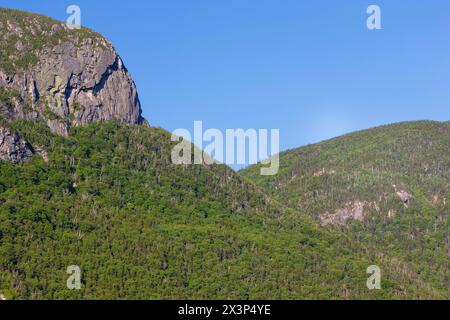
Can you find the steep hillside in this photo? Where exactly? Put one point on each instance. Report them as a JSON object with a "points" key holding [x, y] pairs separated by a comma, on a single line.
{"points": [[387, 187], [108, 200], [81, 183]]}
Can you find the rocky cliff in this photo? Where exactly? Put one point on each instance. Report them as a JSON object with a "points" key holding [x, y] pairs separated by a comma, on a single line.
{"points": [[12, 147], [61, 76]]}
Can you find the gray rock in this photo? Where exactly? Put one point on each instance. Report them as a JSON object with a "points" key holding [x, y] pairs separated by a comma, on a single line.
{"points": [[77, 77], [405, 196], [352, 211], [12, 147]]}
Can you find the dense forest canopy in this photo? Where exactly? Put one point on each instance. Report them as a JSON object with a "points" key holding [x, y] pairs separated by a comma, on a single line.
{"points": [[387, 188]]}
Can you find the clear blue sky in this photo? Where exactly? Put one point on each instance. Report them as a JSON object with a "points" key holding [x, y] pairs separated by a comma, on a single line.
{"points": [[310, 68]]}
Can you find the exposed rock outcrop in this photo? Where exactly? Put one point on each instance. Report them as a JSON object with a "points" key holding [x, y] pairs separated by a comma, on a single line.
{"points": [[323, 171], [42, 152], [64, 77], [352, 211], [405, 196], [12, 147]]}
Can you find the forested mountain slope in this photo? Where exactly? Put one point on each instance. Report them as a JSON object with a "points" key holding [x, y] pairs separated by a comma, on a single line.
{"points": [[109, 200], [84, 182], [387, 187]]}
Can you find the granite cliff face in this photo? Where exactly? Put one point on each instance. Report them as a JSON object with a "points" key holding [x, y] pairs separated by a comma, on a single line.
{"points": [[71, 86], [63, 77]]}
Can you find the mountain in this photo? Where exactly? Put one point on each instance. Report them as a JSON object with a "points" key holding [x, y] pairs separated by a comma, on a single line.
{"points": [[109, 200], [64, 77], [387, 188], [84, 183]]}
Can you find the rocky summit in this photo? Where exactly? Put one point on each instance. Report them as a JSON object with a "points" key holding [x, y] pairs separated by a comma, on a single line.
{"points": [[61, 76]]}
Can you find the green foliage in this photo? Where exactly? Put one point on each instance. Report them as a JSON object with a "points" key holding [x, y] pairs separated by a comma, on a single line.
{"points": [[365, 166], [110, 201], [49, 114], [7, 97]]}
